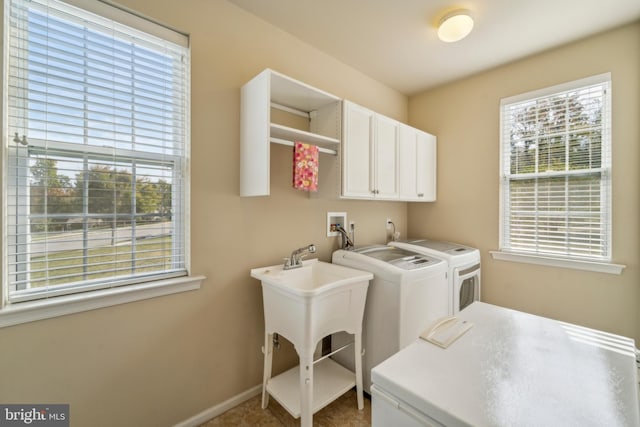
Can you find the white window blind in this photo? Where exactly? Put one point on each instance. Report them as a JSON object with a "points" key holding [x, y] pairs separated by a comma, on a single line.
{"points": [[556, 171], [97, 150]]}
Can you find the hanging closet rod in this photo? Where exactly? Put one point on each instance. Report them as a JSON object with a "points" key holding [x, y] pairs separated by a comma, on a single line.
{"points": [[291, 110], [290, 144]]}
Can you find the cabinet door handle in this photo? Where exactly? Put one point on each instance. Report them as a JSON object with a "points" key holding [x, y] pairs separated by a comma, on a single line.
{"points": [[420, 194]]}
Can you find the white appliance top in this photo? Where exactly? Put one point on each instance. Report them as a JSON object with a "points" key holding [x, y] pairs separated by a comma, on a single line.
{"points": [[387, 257], [517, 369], [454, 253], [446, 247], [397, 257]]}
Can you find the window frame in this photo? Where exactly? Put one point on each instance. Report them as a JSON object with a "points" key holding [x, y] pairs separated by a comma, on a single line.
{"points": [[505, 252], [17, 311]]}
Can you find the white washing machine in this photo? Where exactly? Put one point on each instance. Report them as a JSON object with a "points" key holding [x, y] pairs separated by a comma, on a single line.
{"points": [[409, 291], [464, 268]]}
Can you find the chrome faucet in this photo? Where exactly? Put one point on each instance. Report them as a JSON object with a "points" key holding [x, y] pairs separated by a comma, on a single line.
{"points": [[346, 243], [295, 260]]}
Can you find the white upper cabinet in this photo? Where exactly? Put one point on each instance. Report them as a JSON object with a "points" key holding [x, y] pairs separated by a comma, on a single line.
{"points": [[408, 171], [426, 167], [417, 165], [386, 158], [320, 111], [382, 159], [357, 154], [370, 154]]}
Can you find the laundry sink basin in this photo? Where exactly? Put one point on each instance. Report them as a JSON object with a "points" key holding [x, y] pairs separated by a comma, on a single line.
{"points": [[307, 303], [313, 278]]}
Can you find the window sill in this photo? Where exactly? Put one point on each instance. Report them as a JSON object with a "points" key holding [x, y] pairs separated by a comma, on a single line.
{"points": [[24, 312], [600, 267]]}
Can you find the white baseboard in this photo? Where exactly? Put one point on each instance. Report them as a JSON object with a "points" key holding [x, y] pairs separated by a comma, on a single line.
{"points": [[220, 408]]}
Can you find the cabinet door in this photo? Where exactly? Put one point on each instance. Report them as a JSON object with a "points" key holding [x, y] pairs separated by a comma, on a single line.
{"points": [[386, 158], [426, 167], [357, 152], [407, 163]]}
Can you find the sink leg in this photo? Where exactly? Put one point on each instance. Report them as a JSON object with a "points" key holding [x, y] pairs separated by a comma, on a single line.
{"points": [[358, 360], [306, 391], [268, 358]]}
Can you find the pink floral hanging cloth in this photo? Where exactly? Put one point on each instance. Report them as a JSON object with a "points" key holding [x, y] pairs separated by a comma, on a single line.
{"points": [[305, 166]]}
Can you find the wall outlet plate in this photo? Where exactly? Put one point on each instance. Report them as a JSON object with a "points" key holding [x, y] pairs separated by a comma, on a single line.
{"points": [[333, 219]]}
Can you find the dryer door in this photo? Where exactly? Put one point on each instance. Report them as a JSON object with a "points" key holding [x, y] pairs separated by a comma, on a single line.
{"points": [[466, 287]]}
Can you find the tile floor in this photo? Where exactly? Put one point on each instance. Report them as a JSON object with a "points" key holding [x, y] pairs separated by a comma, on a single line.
{"points": [[342, 412]]}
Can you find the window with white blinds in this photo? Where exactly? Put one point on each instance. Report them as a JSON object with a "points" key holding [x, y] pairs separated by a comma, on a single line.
{"points": [[97, 145], [556, 171]]}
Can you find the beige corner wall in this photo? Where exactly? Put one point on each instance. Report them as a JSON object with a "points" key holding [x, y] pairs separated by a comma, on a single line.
{"points": [[465, 117], [161, 361]]}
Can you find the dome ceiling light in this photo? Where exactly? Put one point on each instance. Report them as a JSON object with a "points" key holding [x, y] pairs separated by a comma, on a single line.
{"points": [[455, 26]]}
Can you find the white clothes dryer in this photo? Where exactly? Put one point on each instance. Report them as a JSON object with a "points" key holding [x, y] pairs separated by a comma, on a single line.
{"points": [[408, 292], [464, 268]]}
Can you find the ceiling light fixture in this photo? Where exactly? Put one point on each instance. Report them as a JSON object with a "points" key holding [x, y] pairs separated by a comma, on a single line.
{"points": [[455, 26]]}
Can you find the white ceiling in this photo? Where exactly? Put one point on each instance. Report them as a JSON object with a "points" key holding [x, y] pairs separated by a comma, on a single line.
{"points": [[395, 42]]}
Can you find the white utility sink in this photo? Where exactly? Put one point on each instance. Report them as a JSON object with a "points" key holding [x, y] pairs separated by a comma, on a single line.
{"points": [[313, 278], [304, 305], [307, 303]]}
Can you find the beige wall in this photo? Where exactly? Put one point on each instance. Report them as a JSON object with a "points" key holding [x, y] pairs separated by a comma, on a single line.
{"points": [[465, 117], [161, 361]]}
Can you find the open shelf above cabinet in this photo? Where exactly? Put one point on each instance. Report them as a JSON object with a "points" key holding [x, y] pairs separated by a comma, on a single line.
{"points": [[297, 95], [287, 136], [268, 90]]}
